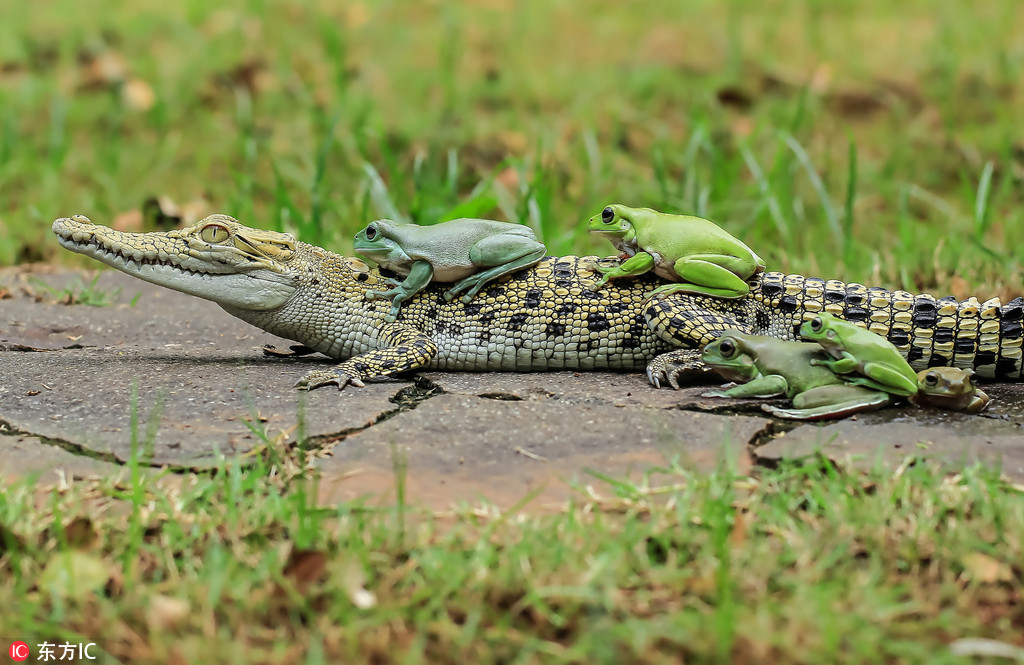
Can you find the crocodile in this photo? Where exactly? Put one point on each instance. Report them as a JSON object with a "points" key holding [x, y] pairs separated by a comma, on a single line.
{"points": [[549, 316]]}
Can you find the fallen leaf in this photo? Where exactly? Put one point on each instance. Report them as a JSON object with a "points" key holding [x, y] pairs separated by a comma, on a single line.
{"points": [[304, 568], [81, 534], [164, 612], [102, 70], [130, 220], [985, 569], [138, 95], [73, 574], [738, 535]]}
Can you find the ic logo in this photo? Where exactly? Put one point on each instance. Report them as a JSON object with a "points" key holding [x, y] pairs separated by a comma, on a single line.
{"points": [[19, 651]]}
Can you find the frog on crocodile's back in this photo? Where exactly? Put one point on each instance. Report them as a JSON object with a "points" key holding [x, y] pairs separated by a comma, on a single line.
{"points": [[469, 252], [695, 253]]}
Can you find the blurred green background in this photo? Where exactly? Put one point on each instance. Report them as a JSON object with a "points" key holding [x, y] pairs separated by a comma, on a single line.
{"points": [[866, 140]]}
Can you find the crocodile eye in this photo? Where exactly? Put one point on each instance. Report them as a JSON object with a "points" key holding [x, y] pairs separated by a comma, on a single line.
{"points": [[727, 348], [371, 232], [607, 215], [931, 379], [816, 324], [214, 233]]}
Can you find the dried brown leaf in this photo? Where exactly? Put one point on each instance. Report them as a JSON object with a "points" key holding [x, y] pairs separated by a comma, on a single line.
{"points": [[985, 569], [138, 95], [165, 612], [304, 568], [80, 534]]}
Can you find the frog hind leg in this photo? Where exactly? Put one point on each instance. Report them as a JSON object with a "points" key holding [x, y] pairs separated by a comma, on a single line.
{"points": [[877, 376], [711, 275], [499, 255], [832, 401]]}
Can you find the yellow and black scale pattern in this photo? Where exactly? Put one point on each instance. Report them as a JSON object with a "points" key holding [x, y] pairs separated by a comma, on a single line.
{"points": [[928, 331]]}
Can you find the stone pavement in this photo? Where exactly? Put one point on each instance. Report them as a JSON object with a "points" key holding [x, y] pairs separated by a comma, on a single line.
{"points": [[196, 385]]}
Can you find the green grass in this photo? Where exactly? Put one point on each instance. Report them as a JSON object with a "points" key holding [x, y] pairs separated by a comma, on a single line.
{"points": [[799, 564], [860, 140]]}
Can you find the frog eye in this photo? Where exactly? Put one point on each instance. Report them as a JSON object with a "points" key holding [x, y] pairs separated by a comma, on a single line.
{"points": [[931, 379], [214, 233], [727, 348], [816, 324], [371, 232], [607, 215]]}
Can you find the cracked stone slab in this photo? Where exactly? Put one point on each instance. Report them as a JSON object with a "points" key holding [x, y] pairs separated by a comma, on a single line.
{"points": [[605, 388], [889, 437], [26, 456], [194, 401], [465, 447]]}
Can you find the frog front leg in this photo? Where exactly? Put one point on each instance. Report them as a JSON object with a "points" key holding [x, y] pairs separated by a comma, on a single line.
{"points": [[832, 401], [500, 254], [403, 348], [419, 276], [712, 275], [637, 264]]}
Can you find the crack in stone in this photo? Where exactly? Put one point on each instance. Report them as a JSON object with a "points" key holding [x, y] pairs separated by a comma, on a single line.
{"points": [[76, 449]]}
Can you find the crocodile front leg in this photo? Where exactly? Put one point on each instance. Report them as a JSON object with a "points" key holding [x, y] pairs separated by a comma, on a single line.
{"points": [[403, 348], [691, 321]]}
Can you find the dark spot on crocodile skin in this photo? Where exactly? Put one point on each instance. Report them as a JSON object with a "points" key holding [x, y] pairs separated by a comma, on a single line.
{"points": [[532, 299], [360, 277], [563, 283], [516, 321], [486, 318], [440, 299], [854, 299], [943, 335], [316, 280], [788, 303], [402, 350], [796, 331], [762, 320], [390, 274], [985, 358], [636, 331], [1013, 310], [472, 308], [938, 361], [387, 364], [455, 329], [924, 314], [494, 291], [965, 346], [899, 337], [441, 326], [615, 308], [555, 330], [565, 308], [631, 342], [1007, 366], [947, 300], [814, 282], [1010, 329], [835, 296], [588, 345], [421, 344], [319, 295], [639, 320], [915, 353], [855, 313], [520, 275], [772, 290], [432, 312], [484, 336], [591, 295], [597, 322], [360, 367]]}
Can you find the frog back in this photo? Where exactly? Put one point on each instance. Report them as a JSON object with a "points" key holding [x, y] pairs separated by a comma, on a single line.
{"points": [[447, 244], [791, 360], [676, 236]]}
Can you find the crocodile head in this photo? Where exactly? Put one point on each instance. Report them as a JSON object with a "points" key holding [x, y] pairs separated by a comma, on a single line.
{"points": [[217, 259]]}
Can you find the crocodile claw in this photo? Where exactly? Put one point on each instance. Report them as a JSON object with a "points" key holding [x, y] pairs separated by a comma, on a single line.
{"points": [[325, 377]]}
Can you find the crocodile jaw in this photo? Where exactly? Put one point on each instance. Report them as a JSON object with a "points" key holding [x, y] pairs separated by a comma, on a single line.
{"points": [[170, 260]]}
